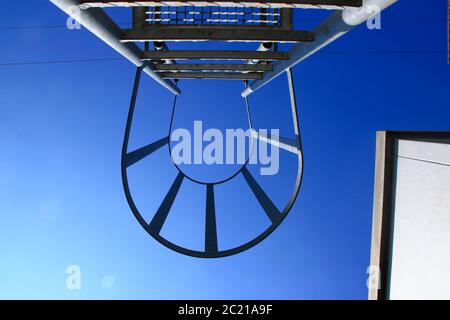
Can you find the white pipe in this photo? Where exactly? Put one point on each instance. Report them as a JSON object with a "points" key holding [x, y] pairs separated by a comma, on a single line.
{"points": [[334, 27], [100, 24]]}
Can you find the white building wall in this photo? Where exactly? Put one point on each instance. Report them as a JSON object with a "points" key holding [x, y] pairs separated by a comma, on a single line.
{"points": [[420, 261]]}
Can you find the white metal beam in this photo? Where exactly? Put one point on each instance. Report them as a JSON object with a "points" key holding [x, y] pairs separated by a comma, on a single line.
{"points": [[100, 24], [337, 25]]}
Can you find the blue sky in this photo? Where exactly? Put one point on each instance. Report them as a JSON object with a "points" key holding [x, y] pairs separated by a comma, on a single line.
{"points": [[61, 130]]}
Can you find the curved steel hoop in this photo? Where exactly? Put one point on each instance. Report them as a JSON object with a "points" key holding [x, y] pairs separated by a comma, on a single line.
{"points": [[211, 247]]}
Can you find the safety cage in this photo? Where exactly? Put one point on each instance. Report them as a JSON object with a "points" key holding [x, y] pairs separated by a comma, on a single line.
{"points": [[148, 44]]}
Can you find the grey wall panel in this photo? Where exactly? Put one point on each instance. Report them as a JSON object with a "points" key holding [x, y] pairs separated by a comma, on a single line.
{"points": [[410, 252], [420, 263], [438, 152]]}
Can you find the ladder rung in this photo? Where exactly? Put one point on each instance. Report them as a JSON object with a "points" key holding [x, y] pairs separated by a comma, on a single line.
{"points": [[214, 55], [213, 67], [238, 34], [212, 75]]}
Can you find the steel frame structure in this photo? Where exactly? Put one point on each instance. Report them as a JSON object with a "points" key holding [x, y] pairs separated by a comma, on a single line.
{"points": [[259, 66]]}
